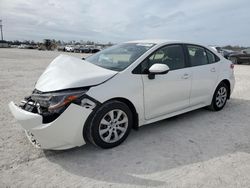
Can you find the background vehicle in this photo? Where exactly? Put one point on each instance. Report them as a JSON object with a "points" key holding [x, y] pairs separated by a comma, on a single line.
{"points": [[22, 46], [123, 87], [216, 48], [78, 49], [25, 46], [226, 53], [95, 49], [241, 57], [69, 48]]}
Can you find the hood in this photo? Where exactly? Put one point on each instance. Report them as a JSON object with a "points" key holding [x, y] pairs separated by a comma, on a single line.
{"points": [[66, 72]]}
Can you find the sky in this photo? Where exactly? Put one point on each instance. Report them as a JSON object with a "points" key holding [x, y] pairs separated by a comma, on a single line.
{"points": [[210, 22]]}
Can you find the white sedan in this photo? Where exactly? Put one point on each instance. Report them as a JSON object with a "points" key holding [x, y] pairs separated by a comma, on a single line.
{"points": [[100, 99], [69, 48]]}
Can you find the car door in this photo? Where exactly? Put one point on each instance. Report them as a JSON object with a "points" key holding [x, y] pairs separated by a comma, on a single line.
{"points": [[169, 92], [205, 70]]}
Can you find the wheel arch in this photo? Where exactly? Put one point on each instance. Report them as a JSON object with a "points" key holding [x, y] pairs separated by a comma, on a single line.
{"points": [[86, 127], [131, 107]]}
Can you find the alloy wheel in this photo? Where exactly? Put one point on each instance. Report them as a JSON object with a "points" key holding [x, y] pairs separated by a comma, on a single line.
{"points": [[113, 126], [221, 97]]}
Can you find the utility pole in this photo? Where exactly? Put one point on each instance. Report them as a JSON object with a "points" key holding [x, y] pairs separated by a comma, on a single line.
{"points": [[1, 26]]}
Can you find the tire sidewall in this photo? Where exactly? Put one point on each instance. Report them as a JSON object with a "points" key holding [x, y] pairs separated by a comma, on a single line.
{"points": [[95, 123]]}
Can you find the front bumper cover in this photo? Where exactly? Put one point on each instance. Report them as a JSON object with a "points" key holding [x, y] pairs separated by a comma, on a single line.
{"points": [[63, 133]]}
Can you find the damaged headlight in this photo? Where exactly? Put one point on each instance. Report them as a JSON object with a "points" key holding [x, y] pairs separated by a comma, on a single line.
{"points": [[55, 101]]}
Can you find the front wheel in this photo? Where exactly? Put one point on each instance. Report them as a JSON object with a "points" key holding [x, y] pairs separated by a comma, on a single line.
{"points": [[110, 124], [220, 97]]}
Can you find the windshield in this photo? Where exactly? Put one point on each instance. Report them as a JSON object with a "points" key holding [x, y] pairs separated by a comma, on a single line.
{"points": [[120, 56]]}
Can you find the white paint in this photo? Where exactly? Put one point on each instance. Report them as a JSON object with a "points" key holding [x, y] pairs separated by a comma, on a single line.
{"points": [[158, 68], [167, 95], [71, 72], [59, 134]]}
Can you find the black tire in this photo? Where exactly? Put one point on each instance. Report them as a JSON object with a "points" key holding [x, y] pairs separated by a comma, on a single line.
{"points": [[93, 130], [214, 105]]}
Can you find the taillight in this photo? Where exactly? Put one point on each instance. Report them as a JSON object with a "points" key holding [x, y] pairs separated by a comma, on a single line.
{"points": [[232, 66]]}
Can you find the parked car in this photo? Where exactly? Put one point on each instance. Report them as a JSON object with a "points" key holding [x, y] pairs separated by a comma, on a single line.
{"points": [[26, 46], [241, 57], [78, 49], [95, 50], [216, 48], [87, 48], [22, 46], [226, 53], [100, 99], [91, 49], [69, 48]]}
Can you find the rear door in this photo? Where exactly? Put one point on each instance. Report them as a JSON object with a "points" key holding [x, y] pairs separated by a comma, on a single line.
{"points": [[205, 70]]}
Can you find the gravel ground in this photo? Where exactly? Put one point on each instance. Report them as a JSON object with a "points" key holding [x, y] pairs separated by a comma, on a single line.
{"points": [[196, 149]]}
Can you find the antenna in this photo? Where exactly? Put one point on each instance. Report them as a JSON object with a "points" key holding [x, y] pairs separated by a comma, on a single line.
{"points": [[1, 27]]}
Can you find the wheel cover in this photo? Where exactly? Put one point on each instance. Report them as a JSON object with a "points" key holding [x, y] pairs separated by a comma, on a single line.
{"points": [[113, 126], [221, 97]]}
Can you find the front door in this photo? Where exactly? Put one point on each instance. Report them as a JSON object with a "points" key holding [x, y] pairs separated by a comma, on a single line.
{"points": [[169, 92]]}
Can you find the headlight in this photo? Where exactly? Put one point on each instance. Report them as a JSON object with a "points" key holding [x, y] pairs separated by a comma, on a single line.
{"points": [[55, 101]]}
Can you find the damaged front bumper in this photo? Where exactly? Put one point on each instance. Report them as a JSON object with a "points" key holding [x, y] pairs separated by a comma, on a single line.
{"points": [[64, 132]]}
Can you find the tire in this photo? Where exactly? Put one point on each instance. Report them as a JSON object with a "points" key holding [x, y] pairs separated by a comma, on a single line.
{"points": [[220, 97], [107, 132]]}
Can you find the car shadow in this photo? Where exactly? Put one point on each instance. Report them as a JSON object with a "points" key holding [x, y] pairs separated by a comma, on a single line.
{"points": [[193, 137]]}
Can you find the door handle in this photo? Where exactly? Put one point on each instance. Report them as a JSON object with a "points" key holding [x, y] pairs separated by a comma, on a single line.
{"points": [[185, 76], [212, 69]]}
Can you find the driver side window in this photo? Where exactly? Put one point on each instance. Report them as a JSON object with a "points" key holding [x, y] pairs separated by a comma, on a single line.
{"points": [[157, 56], [171, 55]]}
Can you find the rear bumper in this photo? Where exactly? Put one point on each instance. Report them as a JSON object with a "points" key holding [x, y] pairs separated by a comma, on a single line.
{"points": [[232, 83], [63, 133]]}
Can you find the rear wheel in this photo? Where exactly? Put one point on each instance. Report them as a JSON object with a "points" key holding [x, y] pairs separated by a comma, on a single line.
{"points": [[110, 124], [220, 97]]}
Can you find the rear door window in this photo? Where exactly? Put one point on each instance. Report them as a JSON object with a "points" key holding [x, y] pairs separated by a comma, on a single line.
{"points": [[211, 57], [197, 55]]}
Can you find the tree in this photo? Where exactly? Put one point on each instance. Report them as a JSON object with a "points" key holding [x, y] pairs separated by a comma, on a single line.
{"points": [[48, 44]]}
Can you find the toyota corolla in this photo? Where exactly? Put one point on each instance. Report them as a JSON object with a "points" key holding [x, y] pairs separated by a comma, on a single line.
{"points": [[101, 98]]}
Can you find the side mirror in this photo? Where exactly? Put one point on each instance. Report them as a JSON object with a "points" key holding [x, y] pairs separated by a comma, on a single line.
{"points": [[157, 69]]}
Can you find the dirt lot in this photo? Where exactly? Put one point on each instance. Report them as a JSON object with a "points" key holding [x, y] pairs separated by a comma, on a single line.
{"points": [[197, 149]]}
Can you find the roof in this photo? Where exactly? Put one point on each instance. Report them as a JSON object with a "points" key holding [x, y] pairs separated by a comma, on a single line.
{"points": [[163, 41], [167, 41], [154, 41]]}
